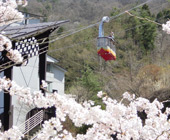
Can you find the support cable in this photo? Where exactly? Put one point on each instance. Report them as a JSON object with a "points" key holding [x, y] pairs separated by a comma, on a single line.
{"points": [[92, 25], [143, 18]]}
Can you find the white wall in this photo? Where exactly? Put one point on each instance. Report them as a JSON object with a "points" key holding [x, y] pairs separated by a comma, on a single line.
{"points": [[56, 76], [26, 76]]}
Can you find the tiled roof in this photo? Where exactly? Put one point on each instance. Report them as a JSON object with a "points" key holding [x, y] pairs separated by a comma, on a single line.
{"points": [[20, 31]]}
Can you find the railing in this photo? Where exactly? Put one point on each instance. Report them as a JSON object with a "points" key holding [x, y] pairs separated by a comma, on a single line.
{"points": [[31, 122], [103, 42]]}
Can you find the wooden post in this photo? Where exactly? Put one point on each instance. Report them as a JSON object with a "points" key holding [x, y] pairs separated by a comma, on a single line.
{"points": [[7, 101]]}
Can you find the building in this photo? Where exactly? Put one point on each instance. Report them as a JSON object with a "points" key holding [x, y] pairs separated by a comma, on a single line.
{"points": [[27, 76], [55, 76], [32, 42]]}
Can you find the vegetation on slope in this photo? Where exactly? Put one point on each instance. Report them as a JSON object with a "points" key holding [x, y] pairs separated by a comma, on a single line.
{"points": [[136, 44], [142, 47], [142, 65]]}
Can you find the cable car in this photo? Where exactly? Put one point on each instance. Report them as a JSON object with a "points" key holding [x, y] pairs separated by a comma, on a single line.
{"points": [[106, 45]]}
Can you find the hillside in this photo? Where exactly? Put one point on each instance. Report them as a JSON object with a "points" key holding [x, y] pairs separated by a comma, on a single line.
{"points": [[142, 65], [83, 12]]}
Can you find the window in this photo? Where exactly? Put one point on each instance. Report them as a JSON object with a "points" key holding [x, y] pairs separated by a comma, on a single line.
{"points": [[48, 67], [54, 90], [49, 88]]}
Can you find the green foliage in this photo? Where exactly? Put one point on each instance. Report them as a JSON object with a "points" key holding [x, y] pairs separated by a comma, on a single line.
{"points": [[73, 51], [148, 34], [90, 80], [87, 86], [48, 7], [83, 129], [145, 11], [135, 39], [143, 36], [163, 16], [69, 126], [115, 12], [135, 32], [60, 30], [93, 84]]}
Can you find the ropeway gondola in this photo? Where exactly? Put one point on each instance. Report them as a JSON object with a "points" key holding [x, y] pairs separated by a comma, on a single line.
{"points": [[106, 44]]}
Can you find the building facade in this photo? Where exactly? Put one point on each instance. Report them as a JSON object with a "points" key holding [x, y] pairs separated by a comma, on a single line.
{"points": [[32, 42], [55, 76], [28, 76]]}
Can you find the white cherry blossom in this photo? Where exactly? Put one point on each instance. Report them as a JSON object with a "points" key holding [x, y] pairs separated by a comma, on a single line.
{"points": [[166, 27], [117, 119], [15, 56], [44, 84]]}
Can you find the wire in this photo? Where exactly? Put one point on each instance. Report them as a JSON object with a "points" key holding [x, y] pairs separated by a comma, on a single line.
{"points": [[83, 28], [96, 24], [94, 39], [16, 21], [80, 43], [131, 9], [6, 26], [12, 19], [143, 18], [31, 14], [44, 37], [4, 68], [76, 44], [63, 36], [26, 27], [51, 41], [92, 25], [23, 59]]}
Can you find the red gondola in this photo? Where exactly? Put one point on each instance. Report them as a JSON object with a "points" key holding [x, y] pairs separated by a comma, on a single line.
{"points": [[105, 45]]}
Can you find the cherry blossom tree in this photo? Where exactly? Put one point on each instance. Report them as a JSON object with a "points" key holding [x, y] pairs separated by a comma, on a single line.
{"points": [[118, 120], [8, 15], [166, 27]]}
